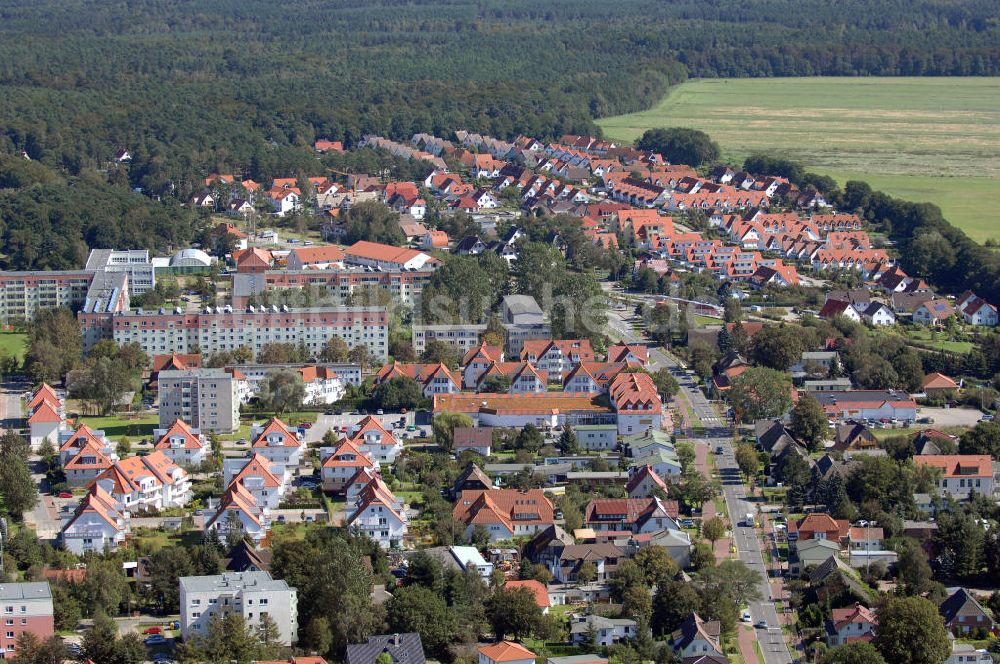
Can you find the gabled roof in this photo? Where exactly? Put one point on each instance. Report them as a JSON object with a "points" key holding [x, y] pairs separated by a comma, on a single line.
{"points": [[958, 465], [536, 588], [100, 502], [938, 381], [347, 448], [79, 439], [82, 460], [694, 628], [640, 475], [179, 429], [506, 651], [257, 466], [238, 499], [503, 506], [961, 602], [273, 426], [369, 424], [126, 473], [45, 412], [485, 352]]}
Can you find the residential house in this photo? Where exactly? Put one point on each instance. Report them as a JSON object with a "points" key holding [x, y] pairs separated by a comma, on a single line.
{"points": [[97, 524], [933, 312], [601, 631], [477, 361], [696, 637], [850, 623], [878, 314], [339, 466], [868, 405], [240, 513], [977, 311], [146, 482], [278, 443], [865, 538], [854, 436], [283, 200], [557, 357], [183, 444], [634, 515], [636, 402], [474, 439], [433, 378], [405, 648], [264, 480], [566, 561], [596, 437], [504, 513], [810, 554], [644, 482], [379, 515], [964, 615], [505, 652], [375, 441], [962, 474], [937, 384], [472, 478], [822, 526], [537, 590]]}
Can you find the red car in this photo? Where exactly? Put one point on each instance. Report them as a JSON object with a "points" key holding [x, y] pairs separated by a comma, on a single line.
{"points": [[306, 425], [65, 494], [152, 630]]}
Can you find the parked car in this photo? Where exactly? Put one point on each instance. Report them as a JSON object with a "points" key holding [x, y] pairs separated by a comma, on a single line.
{"points": [[761, 624], [152, 630], [411, 428], [155, 640], [65, 494], [379, 412], [328, 412]]}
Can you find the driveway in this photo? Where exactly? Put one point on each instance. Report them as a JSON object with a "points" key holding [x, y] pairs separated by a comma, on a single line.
{"points": [[327, 422]]}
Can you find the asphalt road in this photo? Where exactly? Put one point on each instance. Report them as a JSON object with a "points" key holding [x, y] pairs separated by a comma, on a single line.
{"points": [[734, 491]]}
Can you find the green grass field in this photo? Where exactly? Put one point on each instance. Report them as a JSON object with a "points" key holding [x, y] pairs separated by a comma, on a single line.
{"points": [[924, 139], [13, 343]]}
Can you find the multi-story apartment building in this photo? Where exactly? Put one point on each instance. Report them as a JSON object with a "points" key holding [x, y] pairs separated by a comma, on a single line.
{"points": [[206, 399], [335, 283], [134, 262], [22, 294], [247, 594], [213, 330], [462, 337], [25, 607]]}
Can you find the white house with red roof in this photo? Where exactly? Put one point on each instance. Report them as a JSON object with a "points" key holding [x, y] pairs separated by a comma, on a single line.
{"points": [[643, 482], [338, 467], [140, 483], [477, 361], [183, 444], [557, 357], [283, 199], [375, 441], [527, 380], [433, 378], [850, 623], [977, 311], [629, 354], [504, 513], [506, 652], [265, 481], [961, 474], [631, 515], [636, 403], [90, 460], [537, 590], [278, 443], [373, 254], [592, 376], [72, 442], [380, 515], [97, 524], [46, 417], [252, 518]]}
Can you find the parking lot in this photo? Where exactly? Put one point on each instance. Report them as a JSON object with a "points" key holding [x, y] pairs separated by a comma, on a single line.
{"points": [[346, 420]]}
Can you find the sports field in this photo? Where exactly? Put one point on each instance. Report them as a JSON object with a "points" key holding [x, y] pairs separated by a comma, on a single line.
{"points": [[924, 139]]}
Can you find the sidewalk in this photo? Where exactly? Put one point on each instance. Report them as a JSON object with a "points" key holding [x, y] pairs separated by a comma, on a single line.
{"points": [[708, 511]]}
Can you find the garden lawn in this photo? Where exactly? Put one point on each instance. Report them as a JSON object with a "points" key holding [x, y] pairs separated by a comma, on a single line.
{"points": [[116, 426], [14, 343], [933, 139]]}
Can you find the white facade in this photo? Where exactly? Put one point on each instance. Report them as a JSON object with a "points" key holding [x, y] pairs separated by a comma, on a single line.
{"points": [[596, 437], [173, 332], [248, 594]]}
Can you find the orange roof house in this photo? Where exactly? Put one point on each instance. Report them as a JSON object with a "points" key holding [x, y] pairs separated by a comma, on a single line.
{"points": [[936, 383], [820, 525], [504, 512], [536, 588], [505, 651]]}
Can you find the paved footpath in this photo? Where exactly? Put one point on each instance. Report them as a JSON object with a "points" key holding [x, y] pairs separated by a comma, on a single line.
{"points": [[708, 511]]}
